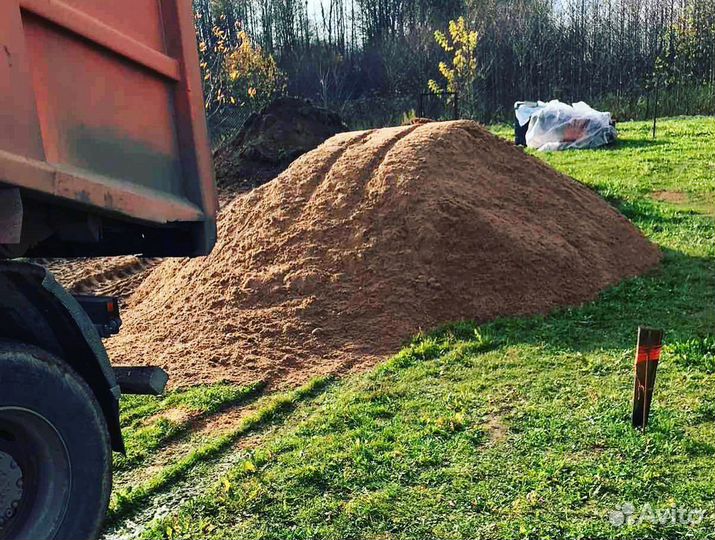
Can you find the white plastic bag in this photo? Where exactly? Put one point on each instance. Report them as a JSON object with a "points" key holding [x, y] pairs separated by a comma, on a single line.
{"points": [[524, 110], [558, 126]]}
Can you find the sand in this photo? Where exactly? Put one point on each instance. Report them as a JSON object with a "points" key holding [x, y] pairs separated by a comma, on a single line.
{"points": [[107, 276], [368, 240]]}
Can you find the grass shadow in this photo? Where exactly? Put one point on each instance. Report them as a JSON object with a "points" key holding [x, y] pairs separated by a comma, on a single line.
{"points": [[275, 409], [141, 443], [633, 144]]}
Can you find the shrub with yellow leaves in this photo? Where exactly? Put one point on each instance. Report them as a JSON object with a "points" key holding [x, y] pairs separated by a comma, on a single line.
{"points": [[237, 73], [255, 77], [461, 74]]}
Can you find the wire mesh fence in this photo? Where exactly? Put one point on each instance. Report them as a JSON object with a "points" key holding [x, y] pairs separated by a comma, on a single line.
{"points": [[438, 106], [225, 124]]}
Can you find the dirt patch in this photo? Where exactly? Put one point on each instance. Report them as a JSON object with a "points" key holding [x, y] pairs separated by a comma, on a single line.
{"points": [[224, 422], [369, 239], [175, 415], [672, 197], [496, 430]]}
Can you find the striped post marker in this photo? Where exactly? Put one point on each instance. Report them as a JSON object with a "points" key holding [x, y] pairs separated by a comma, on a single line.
{"points": [[650, 344]]}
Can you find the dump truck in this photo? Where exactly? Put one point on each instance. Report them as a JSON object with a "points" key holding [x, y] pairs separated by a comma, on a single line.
{"points": [[103, 151]]}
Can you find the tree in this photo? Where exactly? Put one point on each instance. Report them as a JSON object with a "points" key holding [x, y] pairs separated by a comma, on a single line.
{"points": [[461, 75], [255, 78]]}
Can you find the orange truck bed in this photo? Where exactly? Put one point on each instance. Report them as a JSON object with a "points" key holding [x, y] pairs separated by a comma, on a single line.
{"points": [[103, 141]]}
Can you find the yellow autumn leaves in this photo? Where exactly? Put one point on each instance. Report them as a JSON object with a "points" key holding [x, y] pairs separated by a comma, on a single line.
{"points": [[237, 71], [461, 73]]}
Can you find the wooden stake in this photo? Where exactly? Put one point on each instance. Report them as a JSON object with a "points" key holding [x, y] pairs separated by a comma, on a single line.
{"points": [[650, 343]]}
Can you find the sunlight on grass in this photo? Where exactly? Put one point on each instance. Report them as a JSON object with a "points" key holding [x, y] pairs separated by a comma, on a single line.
{"points": [[519, 428]]}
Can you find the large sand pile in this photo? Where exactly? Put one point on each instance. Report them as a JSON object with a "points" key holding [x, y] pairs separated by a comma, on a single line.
{"points": [[369, 239]]}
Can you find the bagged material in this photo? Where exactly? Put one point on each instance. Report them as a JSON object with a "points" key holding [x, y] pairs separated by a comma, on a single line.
{"points": [[558, 126], [524, 110]]}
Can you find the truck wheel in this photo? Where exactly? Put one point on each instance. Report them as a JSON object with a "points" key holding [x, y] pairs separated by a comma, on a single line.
{"points": [[55, 454]]}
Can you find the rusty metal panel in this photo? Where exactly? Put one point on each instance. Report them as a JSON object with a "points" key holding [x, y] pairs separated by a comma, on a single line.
{"points": [[101, 113], [19, 131], [139, 19], [80, 23], [101, 106]]}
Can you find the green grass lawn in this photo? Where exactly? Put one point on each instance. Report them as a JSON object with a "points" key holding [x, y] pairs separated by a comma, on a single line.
{"points": [[519, 428], [680, 160]]}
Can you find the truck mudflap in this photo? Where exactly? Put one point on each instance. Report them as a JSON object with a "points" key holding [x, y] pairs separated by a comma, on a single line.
{"points": [[36, 310]]}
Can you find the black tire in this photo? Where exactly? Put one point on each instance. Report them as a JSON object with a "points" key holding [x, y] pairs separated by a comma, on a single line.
{"points": [[55, 454]]}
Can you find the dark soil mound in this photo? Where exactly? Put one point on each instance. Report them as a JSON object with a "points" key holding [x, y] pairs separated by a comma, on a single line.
{"points": [[366, 241], [270, 139]]}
